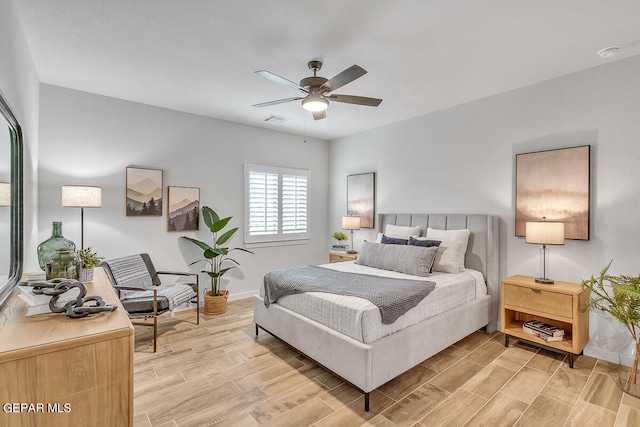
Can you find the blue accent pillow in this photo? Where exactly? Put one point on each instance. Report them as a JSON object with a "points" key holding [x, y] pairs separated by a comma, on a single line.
{"points": [[393, 241], [424, 243]]}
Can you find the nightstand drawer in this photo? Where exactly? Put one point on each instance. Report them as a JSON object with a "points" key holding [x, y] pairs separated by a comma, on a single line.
{"points": [[339, 257], [546, 302]]}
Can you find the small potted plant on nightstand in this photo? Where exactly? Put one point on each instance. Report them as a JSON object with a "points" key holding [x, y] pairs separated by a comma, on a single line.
{"points": [[340, 237], [620, 297], [215, 301], [89, 261]]}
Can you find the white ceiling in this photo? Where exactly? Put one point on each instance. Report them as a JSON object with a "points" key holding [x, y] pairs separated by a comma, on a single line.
{"points": [[199, 56]]}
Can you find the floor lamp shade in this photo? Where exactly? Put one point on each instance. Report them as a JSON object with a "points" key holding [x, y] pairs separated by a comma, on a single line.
{"points": [[81, 196], [544, 233], [5, 194]]}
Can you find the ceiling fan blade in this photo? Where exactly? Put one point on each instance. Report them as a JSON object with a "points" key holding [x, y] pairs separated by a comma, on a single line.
{"points": [[276, 78], [341, 79], [359, 100], [278, 101], [319, 115]]}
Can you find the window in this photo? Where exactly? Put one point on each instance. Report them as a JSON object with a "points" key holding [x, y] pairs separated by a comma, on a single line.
{"points": [[276, 204]]}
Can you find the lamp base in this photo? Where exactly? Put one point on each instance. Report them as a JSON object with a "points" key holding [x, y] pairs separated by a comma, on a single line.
{"points": [[352, 251], [544, 280]]}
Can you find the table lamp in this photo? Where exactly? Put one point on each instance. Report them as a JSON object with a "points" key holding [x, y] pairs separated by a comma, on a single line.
{"points": [[544, 233], [351, 223]]}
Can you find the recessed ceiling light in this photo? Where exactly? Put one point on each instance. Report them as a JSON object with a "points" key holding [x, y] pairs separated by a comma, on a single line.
{"points": [[608, 52]]}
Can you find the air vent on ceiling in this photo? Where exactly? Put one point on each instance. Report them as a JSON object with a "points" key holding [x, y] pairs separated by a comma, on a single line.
{"points": [[278, 120]]}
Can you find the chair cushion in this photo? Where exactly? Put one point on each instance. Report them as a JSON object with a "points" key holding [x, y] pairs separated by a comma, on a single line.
{"points": [[130, 271], [169, 297]]}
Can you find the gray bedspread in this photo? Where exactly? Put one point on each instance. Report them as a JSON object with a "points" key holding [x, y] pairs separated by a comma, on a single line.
{"points": [[394, 297]]}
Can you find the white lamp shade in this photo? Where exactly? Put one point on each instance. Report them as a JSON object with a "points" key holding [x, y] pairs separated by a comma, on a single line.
{"points": [[5, 194], [351, 222], [81, 196], [544, 232]]}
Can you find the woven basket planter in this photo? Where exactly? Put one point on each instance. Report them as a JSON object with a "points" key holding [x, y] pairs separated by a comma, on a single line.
{"points": [[216, 304]]}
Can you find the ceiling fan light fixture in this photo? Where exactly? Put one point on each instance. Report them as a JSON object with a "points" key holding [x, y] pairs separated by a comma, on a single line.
{"points": [[315, 103]]}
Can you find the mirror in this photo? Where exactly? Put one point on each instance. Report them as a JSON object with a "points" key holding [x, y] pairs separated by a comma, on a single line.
{"points": [[11, 208]]}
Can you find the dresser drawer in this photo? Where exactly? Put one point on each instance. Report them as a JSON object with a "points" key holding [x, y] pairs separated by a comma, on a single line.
{"points": [[539, 299]]}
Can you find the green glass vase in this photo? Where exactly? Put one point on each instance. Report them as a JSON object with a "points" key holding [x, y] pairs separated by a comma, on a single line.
{"points": [[64, 264], [48, 248]]}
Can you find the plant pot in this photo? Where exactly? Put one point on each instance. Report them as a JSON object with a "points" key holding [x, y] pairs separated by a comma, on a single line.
{"points": [[628, 377], [215, 304], [86, 275]]}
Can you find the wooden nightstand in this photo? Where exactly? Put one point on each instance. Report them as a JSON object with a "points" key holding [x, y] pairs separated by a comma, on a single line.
{"points": [[342, 257], [560, 304]]}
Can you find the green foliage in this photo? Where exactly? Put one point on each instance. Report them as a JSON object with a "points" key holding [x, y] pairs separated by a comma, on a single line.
{"points": [[618, 296], [339, 236], [215, 254], [89, 258]]}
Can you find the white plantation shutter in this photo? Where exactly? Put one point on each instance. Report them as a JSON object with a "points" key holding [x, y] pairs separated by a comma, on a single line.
{"points": [[276, 204], [263, 203], [294, 203]]}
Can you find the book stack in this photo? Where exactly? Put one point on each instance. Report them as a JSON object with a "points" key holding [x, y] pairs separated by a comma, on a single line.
{"points": [[38, 303], [542, 330], [339, 248]]}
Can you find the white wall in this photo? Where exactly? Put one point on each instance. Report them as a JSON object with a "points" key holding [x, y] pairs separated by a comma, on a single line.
{"points": [[462, 160], [91, 139], [19, 84]]}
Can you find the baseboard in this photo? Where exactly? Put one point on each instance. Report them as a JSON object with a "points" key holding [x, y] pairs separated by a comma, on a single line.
{"points": [[242, 295]]}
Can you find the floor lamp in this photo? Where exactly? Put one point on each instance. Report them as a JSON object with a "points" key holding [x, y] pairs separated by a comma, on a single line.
{"points": [[544, 233], [351, 223], [81, 196]]}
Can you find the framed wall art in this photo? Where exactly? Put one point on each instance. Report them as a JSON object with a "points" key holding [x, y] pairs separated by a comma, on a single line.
{"points": [[183, 208], [554, 184], [361, 197], [144, 192]]}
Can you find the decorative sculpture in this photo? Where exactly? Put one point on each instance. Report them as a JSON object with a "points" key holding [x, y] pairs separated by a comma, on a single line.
{"points": [[73, 309]]}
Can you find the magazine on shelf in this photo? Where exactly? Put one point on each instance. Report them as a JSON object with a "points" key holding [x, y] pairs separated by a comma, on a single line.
{"points": [[540, 335], [543, 328]]}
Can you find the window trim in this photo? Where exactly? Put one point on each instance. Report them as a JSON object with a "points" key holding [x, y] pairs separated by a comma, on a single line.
{"points": [[279, 238]]}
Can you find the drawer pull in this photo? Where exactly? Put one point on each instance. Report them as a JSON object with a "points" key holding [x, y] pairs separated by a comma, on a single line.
{"points": [[537, 291]]}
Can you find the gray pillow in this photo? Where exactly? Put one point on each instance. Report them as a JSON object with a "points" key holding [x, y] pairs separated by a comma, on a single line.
{"points": [[415, 260], [393, 240]]}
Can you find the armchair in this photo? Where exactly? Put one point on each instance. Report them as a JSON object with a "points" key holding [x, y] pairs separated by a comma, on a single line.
{"points": [[143, 296]]}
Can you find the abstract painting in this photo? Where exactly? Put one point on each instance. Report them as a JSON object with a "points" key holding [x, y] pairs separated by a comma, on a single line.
{"points": [[184, 208], [361, 198], [144, 192], [554, 184]]}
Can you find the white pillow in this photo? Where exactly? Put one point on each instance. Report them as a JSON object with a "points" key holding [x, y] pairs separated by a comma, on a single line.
{"points": [[401, 232], [379, 238], [450, 235], [447, 257]]}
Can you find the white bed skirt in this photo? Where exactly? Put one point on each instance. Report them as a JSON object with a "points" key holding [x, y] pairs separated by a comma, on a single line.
{"points": [[368, 366]]}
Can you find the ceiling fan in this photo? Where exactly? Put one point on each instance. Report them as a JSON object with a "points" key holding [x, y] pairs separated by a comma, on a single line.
{"points": [[318, 89]]}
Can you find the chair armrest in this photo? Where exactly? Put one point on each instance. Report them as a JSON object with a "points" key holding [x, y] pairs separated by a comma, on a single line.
{"points": [[177, 273], [133, 288]]}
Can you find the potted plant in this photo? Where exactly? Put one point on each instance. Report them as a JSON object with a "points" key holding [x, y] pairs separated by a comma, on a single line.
{"points": [[620, 297], [339, 236], [216, 255], [88, 260]]}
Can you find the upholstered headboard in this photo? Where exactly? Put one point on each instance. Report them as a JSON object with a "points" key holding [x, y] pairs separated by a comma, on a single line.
{"points": [[482, 252]]}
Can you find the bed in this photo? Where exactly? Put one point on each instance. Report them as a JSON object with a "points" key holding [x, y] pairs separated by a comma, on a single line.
{"points": [[368, 363]]}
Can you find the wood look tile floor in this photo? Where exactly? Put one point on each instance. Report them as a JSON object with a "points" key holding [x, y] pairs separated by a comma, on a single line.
{"points": [[219, 373]]}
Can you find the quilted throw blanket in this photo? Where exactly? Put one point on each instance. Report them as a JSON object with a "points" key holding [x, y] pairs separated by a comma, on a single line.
{"points": [[394, 297]]}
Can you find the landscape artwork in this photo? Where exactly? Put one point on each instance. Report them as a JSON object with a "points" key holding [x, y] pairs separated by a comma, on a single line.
{"points": [[554, 184], [144, 192], [361, 198], [184, 208]]}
